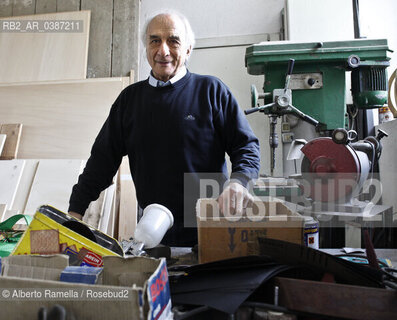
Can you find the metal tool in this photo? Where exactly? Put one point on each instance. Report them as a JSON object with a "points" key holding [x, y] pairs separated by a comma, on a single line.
{"points": [[336, 168], [281, 105], [150, 230], [320, 75]]}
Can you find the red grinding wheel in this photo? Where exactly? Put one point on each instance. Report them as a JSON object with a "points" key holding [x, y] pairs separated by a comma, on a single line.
{"points": [[331, 170]]}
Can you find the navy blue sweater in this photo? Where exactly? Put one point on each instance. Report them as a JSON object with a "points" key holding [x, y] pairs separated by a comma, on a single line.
{"points": [[167, 131]]}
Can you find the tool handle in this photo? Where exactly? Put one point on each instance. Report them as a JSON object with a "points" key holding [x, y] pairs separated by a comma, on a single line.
{"points": [[310, 120], [252, 110], [290, 67]]}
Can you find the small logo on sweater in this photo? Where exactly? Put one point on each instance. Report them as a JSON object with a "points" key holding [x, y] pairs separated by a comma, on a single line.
{"points": [[190, 117]]}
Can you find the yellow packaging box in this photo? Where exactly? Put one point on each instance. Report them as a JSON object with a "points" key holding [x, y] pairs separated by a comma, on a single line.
{"points": [[52, 231]]}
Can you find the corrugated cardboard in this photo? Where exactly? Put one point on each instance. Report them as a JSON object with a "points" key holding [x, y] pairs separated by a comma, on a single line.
{"points": [[143, 280], [221, 237], [35, 267]]}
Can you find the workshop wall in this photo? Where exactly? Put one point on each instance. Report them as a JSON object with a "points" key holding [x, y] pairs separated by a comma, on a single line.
{"points": [[223, 29], [113, 42], [378, 20]]}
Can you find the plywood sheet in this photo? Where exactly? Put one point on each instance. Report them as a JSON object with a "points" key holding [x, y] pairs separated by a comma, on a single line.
{"points": [[107, 208], [128, 203], [25, 185], [41, 56], [9, 213], [2, 211], [94, 211], [3, 138], [10, 175], [53, 184], [11, 146], [388, 165], [61, 119]]}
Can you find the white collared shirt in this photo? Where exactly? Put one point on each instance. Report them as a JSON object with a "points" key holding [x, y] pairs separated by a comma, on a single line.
{"points": [[180, 74]]}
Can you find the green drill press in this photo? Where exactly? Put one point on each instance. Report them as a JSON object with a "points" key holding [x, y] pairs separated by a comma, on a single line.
{"points": [[317, 84]]}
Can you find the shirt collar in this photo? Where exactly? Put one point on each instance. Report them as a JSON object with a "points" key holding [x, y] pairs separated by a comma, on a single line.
{"points": [[180, 74]]}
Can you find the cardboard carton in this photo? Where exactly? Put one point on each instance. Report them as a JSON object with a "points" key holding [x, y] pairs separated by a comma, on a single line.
{"points": [[132, 288], [226, 236]]}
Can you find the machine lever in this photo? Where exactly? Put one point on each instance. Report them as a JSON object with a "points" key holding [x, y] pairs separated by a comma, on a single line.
{"points": [[310, 120], [290, 67], [304, 116], [291, 63], [252, 110]]}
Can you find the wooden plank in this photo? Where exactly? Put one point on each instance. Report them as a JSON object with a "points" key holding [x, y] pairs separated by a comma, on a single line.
{"points": [[126, 37], [25, 185], [53, 184], [11, 146], [68, 5], [112, 217], [43, 56], [10, 176], [350, 302], [132, 76], [94, 212], [128, 208], [3, 138], [9, 213], [61, 119], [46, 6], [23, 7], [6, 8], [116, 207], [107, 208], [99, 55], [3, 208]]}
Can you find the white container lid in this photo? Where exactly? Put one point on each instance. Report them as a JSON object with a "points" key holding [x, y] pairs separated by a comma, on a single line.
{"points": [[163, 208]]}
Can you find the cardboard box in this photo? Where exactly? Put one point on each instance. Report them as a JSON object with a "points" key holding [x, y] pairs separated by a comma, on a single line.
{"points": [[132, 288], [221, 237], [46, 234]]}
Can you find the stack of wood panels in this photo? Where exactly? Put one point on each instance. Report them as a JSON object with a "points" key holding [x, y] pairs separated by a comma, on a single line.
{"points": [[43, 87]]}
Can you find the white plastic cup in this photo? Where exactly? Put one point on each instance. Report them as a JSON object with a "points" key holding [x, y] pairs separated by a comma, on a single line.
{"points": [[155, 222]]}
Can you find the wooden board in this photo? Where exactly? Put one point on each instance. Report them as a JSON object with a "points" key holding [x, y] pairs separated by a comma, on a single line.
{"points": [[348, 302], [61, 119], [25, 185], [11, 147], [3, 138], [2, 211], [128, 208], [41, 56], [53, 184], [10, 176], [107, 209], [9, 213], [94, 212]]}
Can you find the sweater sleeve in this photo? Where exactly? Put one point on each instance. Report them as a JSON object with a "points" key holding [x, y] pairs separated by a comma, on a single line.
{"points": [[103, 163], [241, 143]]}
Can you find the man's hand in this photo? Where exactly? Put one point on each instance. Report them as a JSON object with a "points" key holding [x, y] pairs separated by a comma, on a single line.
{"points": [[235, 199], [76, 215]]}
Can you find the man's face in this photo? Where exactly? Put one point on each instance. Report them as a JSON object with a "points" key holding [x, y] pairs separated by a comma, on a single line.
{"points": [[166, 46]]}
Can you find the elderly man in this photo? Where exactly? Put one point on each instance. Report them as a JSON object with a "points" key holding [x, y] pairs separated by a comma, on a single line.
{"points": [[173, 123]]}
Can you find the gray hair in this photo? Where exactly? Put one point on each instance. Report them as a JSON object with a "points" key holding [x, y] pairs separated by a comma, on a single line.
{"points": [[190, 39]]}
